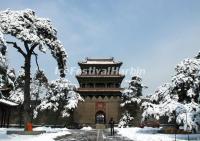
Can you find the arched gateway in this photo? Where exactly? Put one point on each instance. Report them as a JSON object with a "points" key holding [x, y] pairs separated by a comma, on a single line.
{"points": [[100, 117], [100, 86]]}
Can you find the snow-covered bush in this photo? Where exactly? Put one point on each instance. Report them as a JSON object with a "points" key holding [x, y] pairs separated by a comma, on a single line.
{"points": [[125, 120], [179, 99], [61, 97]]}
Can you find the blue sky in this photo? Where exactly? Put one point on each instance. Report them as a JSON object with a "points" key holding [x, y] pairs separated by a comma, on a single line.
{"points": [[153, 35]]}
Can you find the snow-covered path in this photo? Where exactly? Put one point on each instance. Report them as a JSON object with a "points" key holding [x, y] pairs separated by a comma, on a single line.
{"points": [[150, 134], [116, 137], [92, 135], [88, 134], [49, 136], [79, 135]]}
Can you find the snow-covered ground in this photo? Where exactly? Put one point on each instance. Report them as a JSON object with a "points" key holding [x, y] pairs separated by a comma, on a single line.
{"points": [[50, 134], [136, 134], [150, 134], [86, 128]]}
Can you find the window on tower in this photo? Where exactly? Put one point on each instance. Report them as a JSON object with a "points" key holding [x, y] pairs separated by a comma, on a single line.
{"points": [[100, 85], [90, 85], [117, 85], [110, 85], [83, 85]]}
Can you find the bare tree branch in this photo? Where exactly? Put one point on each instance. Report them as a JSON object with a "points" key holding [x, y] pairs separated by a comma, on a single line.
{"points": [[36, 60], [17, 47], [32, 48], [26, 46]]}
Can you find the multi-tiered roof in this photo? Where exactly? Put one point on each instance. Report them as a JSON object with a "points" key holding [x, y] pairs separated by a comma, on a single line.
{"points": [[100, 77]]}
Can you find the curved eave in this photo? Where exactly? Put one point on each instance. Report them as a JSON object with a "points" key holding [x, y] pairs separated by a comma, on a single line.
{"points": [[100, 76], [95, 92], [117, 78], [117, 90]]}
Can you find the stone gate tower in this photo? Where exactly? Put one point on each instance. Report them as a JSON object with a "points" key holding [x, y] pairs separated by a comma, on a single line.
{"points": [[100, 86]]}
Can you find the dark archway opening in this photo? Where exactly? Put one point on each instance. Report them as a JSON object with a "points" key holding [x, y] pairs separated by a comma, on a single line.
{"points": [[100, 117]]}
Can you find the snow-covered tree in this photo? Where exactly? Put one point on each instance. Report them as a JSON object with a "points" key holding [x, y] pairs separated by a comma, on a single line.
{"points": [[35, 34], [17, 93], [38, 89], [7, 75], [2, 41], [131, 96], [39, 85], [133, 92], [179, 99], [2, 52], [187, 80], [61, 97]]}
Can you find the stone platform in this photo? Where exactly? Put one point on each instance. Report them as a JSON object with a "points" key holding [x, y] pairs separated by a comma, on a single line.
{"points": [[100, 126]]}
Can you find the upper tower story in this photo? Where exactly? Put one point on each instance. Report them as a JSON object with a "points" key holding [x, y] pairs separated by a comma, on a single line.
{"points": [[100, 67], [100, 76]]}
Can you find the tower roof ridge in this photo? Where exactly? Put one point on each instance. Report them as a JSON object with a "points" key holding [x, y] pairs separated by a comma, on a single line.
{"points": [[100, 61]]}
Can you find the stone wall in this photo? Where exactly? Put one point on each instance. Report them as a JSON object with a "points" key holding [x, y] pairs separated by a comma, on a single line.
{"points": [[86, 111]]}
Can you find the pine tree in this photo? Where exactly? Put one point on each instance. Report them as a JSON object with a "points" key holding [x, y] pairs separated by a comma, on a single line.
{"points": [[179, 99], [131, 98], [35, 34]]}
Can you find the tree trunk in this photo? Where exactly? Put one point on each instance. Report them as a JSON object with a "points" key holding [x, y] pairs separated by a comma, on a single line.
{"points": [[27, 98], [20, 115]]}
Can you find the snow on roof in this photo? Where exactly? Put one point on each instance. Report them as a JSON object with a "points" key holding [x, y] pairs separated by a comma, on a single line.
{"points": [[7, 102], [100, 61]]}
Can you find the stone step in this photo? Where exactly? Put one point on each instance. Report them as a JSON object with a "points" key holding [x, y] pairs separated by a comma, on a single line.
{"points": [[100, 126]]}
